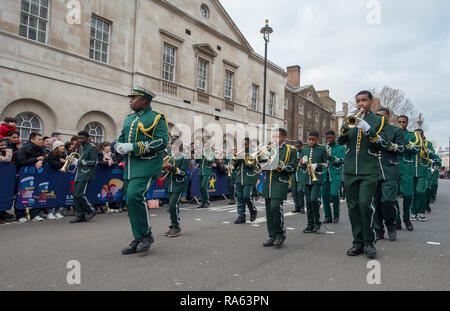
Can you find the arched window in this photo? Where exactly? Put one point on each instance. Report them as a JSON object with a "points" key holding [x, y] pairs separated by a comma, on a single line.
{"points": [[204, 10], [96, 131], [28, 123]]}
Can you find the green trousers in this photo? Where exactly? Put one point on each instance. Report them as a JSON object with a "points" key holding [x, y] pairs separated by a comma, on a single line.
{"points": [[298, 194], [406, 190], [359, 191], [312, 193], [420, 195], [243, 198], [231, 189], [385, 209], [275, 218], [331, 193], [174, 209], [434, 189], [136, 190], [203, 184], [80, 201]]}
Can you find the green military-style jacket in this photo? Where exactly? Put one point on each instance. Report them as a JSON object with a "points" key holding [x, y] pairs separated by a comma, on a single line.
{"points": [[318, 155], [177, 178], [423, 159], [435, 174], [406, 160], [245, 174], [148, 131], [333, 171], [276, 182], [361, 155], [206, 162], [87, 162], [388, 155]]}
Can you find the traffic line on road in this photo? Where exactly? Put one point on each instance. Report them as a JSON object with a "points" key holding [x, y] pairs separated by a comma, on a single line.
{"points": [[433, 243]]}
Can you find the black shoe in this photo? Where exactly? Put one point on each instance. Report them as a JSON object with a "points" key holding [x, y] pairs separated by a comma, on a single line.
{"points": [[309, 229], [278, 242], [336, 220], [131, 249], [78, 219], [409, 225], [144, 244], [240, 220], [168, 232], [253, 216], [90, 215], [392, 234], [379, 237], [295, 211], [232, 202], [174, 233], [316, 229], [201, 206], [371, 252], [399, 226], [355, 251], [302, 210], [268, 243], [327, 221]]}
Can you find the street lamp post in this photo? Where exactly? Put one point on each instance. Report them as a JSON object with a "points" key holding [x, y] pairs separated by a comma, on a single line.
{"points": [[266, 31]]}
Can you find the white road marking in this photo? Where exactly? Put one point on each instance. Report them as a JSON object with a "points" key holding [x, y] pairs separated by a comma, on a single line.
{"points": [[198, 219], [225, 222], [255, 225], [291, 228], [330, 232], [433, 243]]}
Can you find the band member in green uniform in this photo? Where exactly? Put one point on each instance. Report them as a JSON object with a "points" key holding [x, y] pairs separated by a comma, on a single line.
{"points": [[245, 175], [298, 186], [142, 141], [332, 178], [176, 185], [361, 171], [433, 157], [313, 159], [421, 163], [231, 174], [435, 166], [276, 186], [386, 191], [205, 171], [85, 174], [406, 172]]}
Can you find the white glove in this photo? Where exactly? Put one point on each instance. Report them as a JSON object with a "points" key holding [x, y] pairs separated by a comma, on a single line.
{"points": [[363, 125], [75, 162], [352, 112], [124, 148], [305, 159], [314, 166]]}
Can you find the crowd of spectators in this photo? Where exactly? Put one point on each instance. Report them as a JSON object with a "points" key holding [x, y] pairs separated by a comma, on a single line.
{"points": [[39, 150]]}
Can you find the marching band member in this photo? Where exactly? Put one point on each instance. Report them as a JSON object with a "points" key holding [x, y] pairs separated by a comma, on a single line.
{"points": [[176, 185], [435, 178], [361, 171], [245, 173], [312, 161], [142, 141], [275, 188], [204, 174], [298, 187], [433, 157], [332, 178], [231, 175], [386, 189]]}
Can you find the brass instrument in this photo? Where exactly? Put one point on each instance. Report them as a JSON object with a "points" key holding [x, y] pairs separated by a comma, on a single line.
{"points": [[352, 121], [69, 160], [169, 159], [311, 171], [264, 155]]}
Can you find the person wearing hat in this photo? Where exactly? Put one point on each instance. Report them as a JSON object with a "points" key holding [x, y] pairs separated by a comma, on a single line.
{"points": [[56, 160], [85, 173], [142, 141]]}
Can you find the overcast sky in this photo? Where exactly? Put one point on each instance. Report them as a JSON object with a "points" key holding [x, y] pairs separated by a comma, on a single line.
{"points": [[338, 50]]}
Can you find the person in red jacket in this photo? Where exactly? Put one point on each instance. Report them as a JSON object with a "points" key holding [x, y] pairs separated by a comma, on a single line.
{"points": [[8, 125]]}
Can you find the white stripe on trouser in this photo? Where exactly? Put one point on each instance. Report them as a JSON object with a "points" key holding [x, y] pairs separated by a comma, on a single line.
{"points": [[282, 217], [371, 221], [145, 204], [84, 197], [177, 208]]}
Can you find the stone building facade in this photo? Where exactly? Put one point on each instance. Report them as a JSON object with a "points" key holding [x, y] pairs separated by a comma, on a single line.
{"points": [[62, 73], [306, 109]]}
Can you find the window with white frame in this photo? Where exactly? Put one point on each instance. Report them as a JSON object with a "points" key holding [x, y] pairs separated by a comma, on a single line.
{"points": [[229, 85], [317, 117], [202, 75], [300, 133], [28, 123], [169, 57], [272, 103], [34, 15], [301, 109], [255, 97], [309, 113], [100, 39], [96, 131]]}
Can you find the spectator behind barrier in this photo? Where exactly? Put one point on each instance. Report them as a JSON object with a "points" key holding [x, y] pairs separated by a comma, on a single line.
{"points": [[47, 145], [5, 154], [8, 125], [105, 157], [56, 159]]}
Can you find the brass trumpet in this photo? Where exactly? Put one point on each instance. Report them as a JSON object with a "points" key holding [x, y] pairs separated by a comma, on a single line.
{"points": [[69, 160], [169, 159], [352, 121], [311, 171]]}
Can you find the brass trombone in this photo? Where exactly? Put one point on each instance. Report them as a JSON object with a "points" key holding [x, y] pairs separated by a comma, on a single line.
{"points": [[352, 121], [69, 160], [169, 159]]}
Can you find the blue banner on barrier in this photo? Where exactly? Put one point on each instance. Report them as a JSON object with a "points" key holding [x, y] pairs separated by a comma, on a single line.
{"points": [[7, 185], [49, 188], [157, 189], [217, 184]]}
